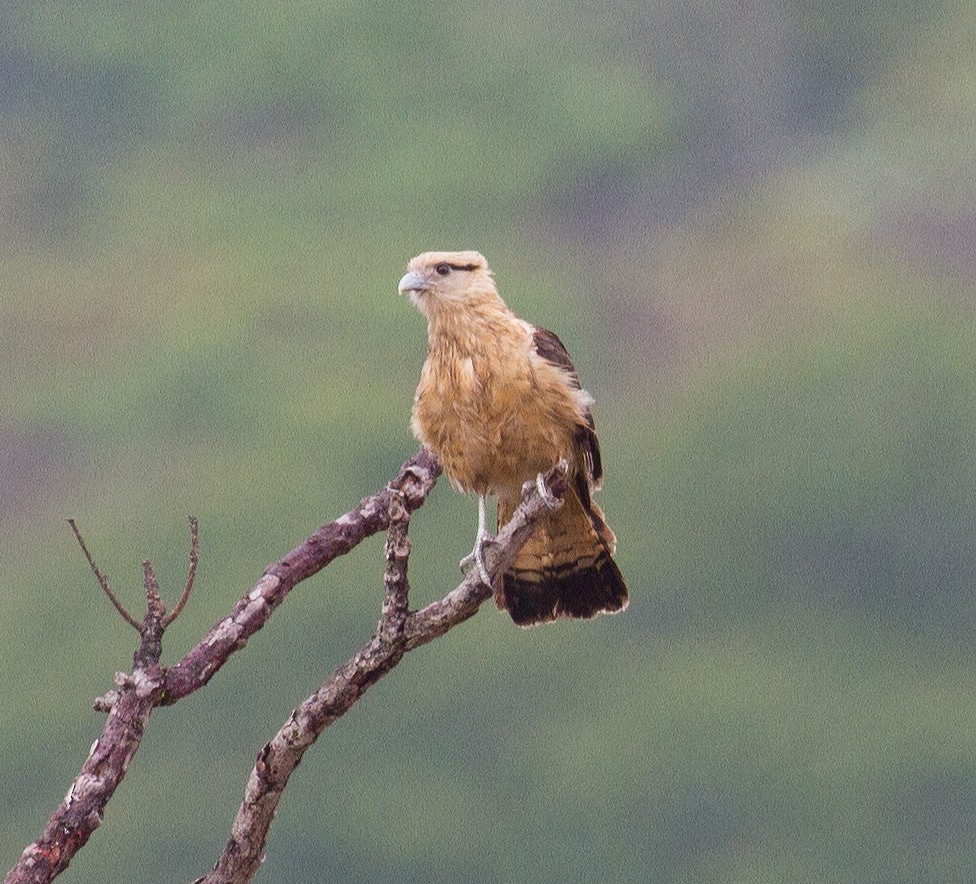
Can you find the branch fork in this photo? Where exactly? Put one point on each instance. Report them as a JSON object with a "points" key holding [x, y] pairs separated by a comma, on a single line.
{"points": [[149, 685], [156, 616]]}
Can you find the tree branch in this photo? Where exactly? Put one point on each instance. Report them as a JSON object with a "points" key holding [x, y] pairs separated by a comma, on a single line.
{"points": [[415, 481], [397, 633], [129, 708], [151, 685]]}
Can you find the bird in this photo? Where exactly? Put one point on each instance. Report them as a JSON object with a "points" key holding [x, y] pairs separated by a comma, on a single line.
{"points": [[499, 403]]}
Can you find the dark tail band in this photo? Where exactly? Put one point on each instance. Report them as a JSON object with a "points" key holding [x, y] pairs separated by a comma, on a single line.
{"points": [[574, 590]]}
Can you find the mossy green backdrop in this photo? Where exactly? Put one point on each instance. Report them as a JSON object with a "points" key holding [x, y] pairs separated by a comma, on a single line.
{"points": [[753, 227]]}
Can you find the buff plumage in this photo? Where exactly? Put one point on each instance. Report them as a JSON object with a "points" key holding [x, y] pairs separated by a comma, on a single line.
{"points": [[499, 402]]}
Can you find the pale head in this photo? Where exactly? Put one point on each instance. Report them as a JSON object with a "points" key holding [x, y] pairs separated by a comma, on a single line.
{"points": [[438, 280]]}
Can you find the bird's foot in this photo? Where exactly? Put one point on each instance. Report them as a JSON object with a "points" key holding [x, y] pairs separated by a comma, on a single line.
{"points": [[477, 555], [476, 558], [548, 498]]}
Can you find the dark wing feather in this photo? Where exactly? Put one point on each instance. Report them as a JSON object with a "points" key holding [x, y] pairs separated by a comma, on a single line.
{"points": [[550, 348]]}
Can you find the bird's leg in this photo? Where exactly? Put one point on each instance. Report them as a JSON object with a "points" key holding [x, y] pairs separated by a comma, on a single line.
{"points": [[548, 498], [476, 556]]}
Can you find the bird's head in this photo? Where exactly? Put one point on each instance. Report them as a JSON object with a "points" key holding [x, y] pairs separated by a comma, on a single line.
{"points": [[441, 280]]}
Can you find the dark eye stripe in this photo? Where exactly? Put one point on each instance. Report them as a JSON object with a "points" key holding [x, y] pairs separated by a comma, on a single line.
{"points": [[445, 267]]}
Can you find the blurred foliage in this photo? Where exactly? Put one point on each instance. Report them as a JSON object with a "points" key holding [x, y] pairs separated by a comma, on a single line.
{"points": [[753, 228]]}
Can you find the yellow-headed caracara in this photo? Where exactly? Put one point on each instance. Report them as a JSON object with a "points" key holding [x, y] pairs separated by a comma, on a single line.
{"points": [[499, 403]]}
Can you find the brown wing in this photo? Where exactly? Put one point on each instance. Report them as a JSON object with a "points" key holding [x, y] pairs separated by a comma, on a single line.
{"points": [[550, 348]]}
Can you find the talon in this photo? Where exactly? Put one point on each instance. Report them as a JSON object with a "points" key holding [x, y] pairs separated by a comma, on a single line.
{"points": [[476, 558], [548, 498]]}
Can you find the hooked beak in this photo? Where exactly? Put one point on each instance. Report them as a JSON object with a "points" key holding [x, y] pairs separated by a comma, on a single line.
{"points": [[412, 282]]}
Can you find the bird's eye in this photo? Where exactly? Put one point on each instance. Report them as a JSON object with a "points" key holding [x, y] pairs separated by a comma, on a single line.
{"points": [[443, 269]]}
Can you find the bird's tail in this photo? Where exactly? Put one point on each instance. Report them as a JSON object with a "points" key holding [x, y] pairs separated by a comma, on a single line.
{"points": [[565, 569]]}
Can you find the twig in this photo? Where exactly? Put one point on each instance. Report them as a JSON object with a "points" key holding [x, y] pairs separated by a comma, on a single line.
{"points": [[191, 573], [103, 581], [129, 708]]}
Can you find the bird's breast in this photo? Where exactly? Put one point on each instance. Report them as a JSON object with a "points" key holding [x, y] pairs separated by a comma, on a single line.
{"points": [[490, 416]]}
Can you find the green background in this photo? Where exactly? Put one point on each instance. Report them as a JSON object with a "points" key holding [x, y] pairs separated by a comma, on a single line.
{"points": [[753, 226]]}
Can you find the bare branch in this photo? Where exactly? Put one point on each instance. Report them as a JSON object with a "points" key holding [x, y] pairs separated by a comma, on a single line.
{"points": [[415, 481], [103, 581], [129, 708], [396, 602], [155, 609], [81, 811], [191, 573], [150, 685], [150, 649], [278, 759]]}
